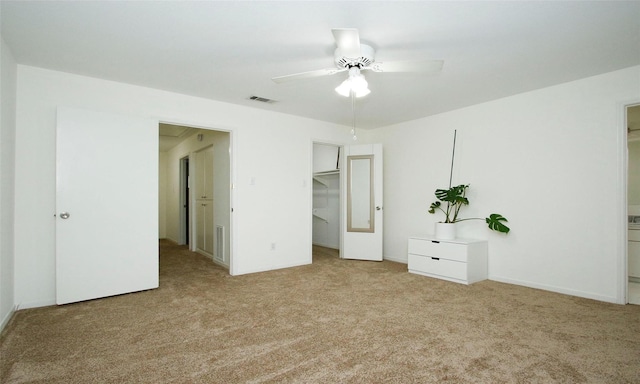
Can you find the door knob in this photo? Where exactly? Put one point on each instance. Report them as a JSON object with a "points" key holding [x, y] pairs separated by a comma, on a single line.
{"points": [[64, 215], [378, 208]]}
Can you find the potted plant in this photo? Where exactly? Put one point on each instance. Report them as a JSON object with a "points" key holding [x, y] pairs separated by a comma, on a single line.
{"points": [[455, 198]]}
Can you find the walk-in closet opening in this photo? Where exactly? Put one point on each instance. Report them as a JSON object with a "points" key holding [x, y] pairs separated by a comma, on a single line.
{"points": [[326, 196]]}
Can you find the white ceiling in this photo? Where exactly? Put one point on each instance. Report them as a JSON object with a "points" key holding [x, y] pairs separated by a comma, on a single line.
{"points": [[228, 51]]}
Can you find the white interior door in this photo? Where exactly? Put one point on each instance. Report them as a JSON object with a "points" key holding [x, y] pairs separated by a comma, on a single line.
{"points": [[107, 205], [362, 218]]}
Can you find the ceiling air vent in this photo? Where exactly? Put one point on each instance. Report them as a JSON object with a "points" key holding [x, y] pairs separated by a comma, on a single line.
{"points": [[261, 99]]}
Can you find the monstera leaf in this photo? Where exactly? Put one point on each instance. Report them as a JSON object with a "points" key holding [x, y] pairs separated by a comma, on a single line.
{"points": [[453, 195], [434, 206], [495, 222]]}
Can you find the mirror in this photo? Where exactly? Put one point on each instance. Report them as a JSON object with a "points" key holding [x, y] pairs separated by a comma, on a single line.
{"points": [[360, 217]]}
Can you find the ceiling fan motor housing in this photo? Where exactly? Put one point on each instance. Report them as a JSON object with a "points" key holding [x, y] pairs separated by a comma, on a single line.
{"points": [[366, 58]]}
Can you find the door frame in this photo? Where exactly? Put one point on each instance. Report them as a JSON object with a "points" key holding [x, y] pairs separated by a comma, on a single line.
{"points": [[310, 184], [185, 202], [623, 158]]}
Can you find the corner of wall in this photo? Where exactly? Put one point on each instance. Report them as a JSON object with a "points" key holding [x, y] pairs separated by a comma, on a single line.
{"points": [[6, 319], [8, 95]]}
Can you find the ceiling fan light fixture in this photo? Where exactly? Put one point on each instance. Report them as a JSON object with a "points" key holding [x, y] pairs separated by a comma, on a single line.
{"points": [[344, 89], [360, 86], [356, 83]]}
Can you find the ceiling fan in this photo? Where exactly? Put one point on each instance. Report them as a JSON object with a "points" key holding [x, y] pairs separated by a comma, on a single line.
{"points": [[354, 57]]}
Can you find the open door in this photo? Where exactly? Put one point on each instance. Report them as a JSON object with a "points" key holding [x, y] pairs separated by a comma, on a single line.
{"points": [[107, 205], [362, 202]]}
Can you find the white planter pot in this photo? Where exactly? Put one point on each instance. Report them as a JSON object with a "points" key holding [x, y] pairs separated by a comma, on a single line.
{"points": [[446, 231]]}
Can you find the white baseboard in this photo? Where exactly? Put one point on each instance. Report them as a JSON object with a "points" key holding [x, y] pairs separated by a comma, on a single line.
{"points": [[220, 263], [204, 253], [551, 288], [36, 304], [6, 318], [332, 246], [271, 268], [396, 259]]}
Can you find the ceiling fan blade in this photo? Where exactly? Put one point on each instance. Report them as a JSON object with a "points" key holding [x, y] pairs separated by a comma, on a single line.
{"points": [[425, 66], [348, 41], [306, 75]]}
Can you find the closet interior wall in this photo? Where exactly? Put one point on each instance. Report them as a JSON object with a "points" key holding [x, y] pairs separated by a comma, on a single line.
{"points": [[326, 195]]}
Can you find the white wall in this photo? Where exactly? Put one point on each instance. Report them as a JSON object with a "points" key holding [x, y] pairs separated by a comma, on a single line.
{"points": [[8, 78], [271, 148], [550, 160]]}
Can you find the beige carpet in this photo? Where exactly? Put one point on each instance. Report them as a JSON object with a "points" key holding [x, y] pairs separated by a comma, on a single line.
{"points": [[335, 321]]}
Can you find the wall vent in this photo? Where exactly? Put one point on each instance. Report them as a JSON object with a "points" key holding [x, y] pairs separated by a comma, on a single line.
{"points": [[219, 244], [261, 99]]}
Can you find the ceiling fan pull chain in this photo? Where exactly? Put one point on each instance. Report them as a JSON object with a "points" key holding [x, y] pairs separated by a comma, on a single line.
{"points": [[353, 111]]}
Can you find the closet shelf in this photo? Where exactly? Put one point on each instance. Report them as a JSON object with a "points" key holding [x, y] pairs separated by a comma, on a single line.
{"points": [[321, 213], [329, 172], [319, 176], [320, 180]]}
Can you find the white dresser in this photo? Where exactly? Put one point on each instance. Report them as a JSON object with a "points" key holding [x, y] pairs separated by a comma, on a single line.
{"points": [[460, 260]]}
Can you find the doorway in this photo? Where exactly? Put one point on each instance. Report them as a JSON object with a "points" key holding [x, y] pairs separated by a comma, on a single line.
{"points": [[326, 187], [184, 224], [632, 119]]}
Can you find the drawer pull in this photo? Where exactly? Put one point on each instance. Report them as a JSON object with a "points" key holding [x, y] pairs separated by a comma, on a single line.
{"points": [[435, 241], [435, 258]]}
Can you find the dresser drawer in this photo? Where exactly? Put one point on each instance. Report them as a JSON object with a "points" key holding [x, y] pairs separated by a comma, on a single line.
{"points": [[442, 267], [443, 250]]}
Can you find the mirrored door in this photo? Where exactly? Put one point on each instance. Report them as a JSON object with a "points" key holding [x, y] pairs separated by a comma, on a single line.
{"points": [[362, 207]]}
